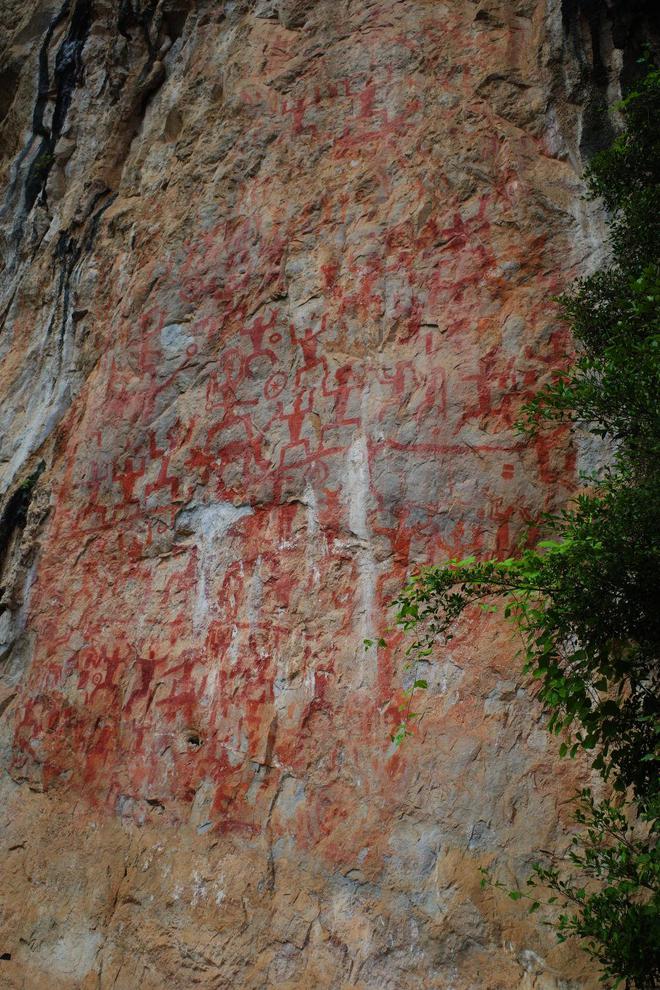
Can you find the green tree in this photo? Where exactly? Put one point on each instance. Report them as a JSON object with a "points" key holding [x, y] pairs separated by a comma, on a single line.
{"points": [[586, 599]]}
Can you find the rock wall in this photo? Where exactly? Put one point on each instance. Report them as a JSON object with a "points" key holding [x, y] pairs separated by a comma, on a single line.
{"points": [[277, 278]]}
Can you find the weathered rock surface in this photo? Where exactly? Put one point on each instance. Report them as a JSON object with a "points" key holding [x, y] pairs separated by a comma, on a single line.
{"points": [[276, 281]]}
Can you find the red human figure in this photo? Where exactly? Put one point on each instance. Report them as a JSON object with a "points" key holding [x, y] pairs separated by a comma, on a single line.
{"points": [[309, 346], [295, 420]]}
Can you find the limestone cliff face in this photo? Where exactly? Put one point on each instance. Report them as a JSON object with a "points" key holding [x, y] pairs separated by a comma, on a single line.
{"points": [[276, 281]]}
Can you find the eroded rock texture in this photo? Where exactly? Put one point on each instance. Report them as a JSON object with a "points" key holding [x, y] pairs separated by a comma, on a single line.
{"points": [[276, 281]]}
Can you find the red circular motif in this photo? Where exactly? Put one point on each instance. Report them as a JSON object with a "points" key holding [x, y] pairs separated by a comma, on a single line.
{"points": [[275, 385]]}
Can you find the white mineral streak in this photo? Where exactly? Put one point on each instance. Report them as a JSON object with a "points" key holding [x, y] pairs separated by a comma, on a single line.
{"points": [[253, 603], [311, 502], [317, 543], [356, 494], [210, 523]]}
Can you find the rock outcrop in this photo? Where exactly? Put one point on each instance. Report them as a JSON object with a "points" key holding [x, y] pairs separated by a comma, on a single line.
{"points": [[277, 279]]}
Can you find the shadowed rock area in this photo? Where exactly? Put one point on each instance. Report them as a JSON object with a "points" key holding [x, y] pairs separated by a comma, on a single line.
{"points": [[277, 278]]}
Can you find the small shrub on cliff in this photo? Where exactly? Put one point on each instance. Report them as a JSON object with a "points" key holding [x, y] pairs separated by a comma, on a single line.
{"points": [[586, 600]]}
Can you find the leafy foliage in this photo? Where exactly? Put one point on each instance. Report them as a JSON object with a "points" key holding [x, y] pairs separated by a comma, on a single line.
{"points": [[586, 601], [607, 897]]}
